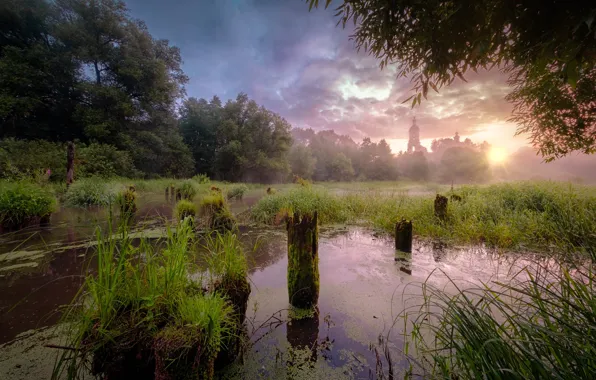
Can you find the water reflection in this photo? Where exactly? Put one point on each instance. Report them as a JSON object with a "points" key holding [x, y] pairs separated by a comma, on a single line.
{"points": [[303, 333]]}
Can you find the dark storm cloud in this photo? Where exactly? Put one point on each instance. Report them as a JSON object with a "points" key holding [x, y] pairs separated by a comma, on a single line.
{"points": [[301, 66]]}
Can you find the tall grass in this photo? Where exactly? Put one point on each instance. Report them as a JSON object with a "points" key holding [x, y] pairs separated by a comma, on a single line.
{"points": [[526, 215], [23, 202], [138, 296], [92, 192], [543, 327], [224, 257]]}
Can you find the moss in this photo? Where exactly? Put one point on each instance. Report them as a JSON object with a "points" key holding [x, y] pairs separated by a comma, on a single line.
{"points": [[303, 260]]}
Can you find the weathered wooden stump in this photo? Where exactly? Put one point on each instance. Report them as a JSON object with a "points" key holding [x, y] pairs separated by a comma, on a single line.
{"points": [[303, 260], [441, 206], [70, 157], [167, 194], [172, 192], [403, 236], [178, 195]]}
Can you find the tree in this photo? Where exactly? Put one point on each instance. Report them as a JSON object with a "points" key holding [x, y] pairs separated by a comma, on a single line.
{"points": [[341, 168], [462, 164], [302, 161], [414, 166], [548, 48]]}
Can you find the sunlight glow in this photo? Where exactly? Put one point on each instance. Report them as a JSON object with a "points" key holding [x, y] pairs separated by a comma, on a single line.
{"points": [[497, 155]]}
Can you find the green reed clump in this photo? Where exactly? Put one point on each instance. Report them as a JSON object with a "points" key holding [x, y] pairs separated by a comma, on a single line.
{"points": [[22, 203], [188, 190], [540, 328], [91, 192], [524, 215], [201, 179], [216, 209], [184, 208], [236, 191], [141, 311], [127, 201]]}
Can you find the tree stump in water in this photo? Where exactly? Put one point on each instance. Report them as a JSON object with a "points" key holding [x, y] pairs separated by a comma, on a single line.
{"points": [[167, 194], [70, 156], [403, 236], [441, 206], [172, 191], [303, 260], [178, 195]]}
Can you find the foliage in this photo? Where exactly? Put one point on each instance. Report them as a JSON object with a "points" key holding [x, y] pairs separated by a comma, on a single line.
{"points": [[201, 179], [184, 208], [302, 161], [414, 166], [103, 160], [24, 202], [236, 191], [80, 70], [91, 192], [29, 159], [236, 141], [537, 327], [341, 168], [188, 190], [463, 164], [550, 59], [520, 215]]}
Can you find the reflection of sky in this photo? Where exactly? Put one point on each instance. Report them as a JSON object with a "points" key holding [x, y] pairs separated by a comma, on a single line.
{"points": [[301, 66]]}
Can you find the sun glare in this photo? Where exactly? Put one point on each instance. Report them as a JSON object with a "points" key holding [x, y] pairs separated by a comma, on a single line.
{"points": [[497, 155]]}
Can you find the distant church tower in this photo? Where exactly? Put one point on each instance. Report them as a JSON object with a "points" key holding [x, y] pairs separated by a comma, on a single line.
{"points": [[456, 137], [414, 141]]}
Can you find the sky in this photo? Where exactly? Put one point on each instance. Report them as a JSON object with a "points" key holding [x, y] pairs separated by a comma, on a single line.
{"points": [[302, 66]]}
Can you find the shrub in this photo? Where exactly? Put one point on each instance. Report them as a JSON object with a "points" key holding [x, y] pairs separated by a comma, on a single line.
{"points": [[184, 208], [188, 190], [22, 203], [201, 179], [237, 191], [104, 160], [20, 159], [90, 192]]}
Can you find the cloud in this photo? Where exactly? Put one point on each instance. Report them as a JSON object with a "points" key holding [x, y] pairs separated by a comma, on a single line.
{"points": [[301, 66]]}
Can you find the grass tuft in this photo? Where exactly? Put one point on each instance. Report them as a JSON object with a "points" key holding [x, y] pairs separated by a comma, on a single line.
{"points": [[22, 203], [91, 192], [184, 209]]}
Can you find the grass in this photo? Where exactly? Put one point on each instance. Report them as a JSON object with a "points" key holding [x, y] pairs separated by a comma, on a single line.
{"points": [[188, 190], [92, 192], [140, 298], [540, 327], [527, 215], [224, 257], [236, 191], [216, 209], [184, 209], [23, 202]]}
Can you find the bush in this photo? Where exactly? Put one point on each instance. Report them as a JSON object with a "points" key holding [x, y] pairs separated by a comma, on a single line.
{"points": [[188, 190], [90, 192], [237, 191], [104, 160], [184, 208], [20, 159], [22, 203], [201, 179]]}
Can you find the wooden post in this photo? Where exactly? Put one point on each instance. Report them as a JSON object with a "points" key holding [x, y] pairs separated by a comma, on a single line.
{"points": [[441, 206], [303, 260], [403, 236], [70, 156], [178, 195], [167, 194]]}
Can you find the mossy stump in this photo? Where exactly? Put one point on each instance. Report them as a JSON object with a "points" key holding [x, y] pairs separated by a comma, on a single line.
{"points": [[303, 260], [403, 236], [180, 353], [441, 206], [236, 292]]}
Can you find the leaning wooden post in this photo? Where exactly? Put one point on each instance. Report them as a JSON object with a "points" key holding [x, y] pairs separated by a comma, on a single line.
{"points": [[303, 260], [70, 156], [441, 206]]}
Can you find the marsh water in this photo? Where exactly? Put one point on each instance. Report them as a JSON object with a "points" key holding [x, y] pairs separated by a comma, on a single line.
{"points": [[364, 286]]}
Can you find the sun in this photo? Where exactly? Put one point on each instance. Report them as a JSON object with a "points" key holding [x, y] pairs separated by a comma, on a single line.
{"points": [[497, 155]]}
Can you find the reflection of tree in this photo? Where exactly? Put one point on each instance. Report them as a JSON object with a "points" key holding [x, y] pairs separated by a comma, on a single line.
{"points": [[404, 260], [303, 333]]}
